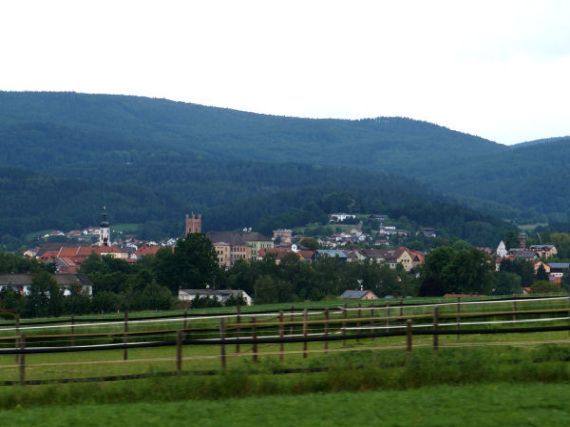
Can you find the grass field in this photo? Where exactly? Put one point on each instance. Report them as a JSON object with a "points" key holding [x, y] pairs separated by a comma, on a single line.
{"points": [[472, 405], [206, 357], [476, 379]]}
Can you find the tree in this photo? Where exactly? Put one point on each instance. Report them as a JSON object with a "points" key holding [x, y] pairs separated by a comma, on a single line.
{"points": [[470, 271], [270, 290], [77, 302], [523, 268], [38, 300], [541, 273], [507, 283], [433, 282], [193, 264], [310, 243], [155, 297], [105, 301]]}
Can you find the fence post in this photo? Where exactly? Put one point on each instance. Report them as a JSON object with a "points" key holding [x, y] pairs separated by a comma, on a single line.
{"points": [[223, 343], [305, 343], [126, 337], [72, 330], [17, 343], [409, 335], [326, 331], [435, 326], [514, 307], [344, 313], [22, 360], [372, 323], [387, 313], [569, 315], [254, 337], [179, 342], [359, 316], [458, 317], [281, 336], [238, 329]]}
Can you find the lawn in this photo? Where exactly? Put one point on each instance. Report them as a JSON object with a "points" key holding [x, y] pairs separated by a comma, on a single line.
{"points": [[471, 405]]}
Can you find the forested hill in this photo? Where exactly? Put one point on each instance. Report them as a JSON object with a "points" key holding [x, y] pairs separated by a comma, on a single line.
{"points": [[42, 130], [532, 177], [156, 159], [230, 195]]}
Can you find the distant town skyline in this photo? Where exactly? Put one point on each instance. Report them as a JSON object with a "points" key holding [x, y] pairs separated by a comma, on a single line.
{"points": [[494, 69]]}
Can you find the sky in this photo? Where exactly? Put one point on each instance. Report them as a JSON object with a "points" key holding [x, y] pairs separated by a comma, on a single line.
{"points": [[498, 69]]}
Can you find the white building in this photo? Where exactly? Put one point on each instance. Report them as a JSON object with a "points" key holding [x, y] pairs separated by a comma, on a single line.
{"points": [[502, 250], [221, 295]]}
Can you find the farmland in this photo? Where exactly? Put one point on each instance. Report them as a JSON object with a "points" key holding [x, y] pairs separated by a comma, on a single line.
{"points": [[210, 341], [471, 405], [401, 351]]}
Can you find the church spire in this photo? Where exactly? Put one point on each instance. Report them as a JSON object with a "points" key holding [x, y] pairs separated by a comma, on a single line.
{"points": [[104, 232]]}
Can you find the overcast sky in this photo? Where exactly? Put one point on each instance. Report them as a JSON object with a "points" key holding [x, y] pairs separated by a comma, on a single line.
{"points": [[499, 69]]}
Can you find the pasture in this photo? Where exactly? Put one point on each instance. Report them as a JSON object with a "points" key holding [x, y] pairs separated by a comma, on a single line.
{"points": [[455, 362], [471, 405], [287, 338]]}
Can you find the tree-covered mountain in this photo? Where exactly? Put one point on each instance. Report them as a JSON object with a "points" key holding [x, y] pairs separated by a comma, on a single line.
{"points": [[154, 159], [47, 130], [529, 178], [230, 195]]}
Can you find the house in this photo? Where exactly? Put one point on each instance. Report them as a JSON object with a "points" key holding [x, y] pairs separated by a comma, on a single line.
{"points": [[278, 253], [256, 241], [331, 253], [283, 235], [544, 251], [538, 264], [21, 283], [230, 247], [340, 217], [427, 232], [69, 258], [146, 250], [407, 258], [358, 295], [559, 267], [523, 253], [220, 295]]}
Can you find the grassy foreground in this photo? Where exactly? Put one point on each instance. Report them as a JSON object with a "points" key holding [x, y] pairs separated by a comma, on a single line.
{"points": [[471, 405]]}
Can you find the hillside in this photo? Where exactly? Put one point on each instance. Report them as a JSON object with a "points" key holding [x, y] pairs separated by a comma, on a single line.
{"points": [[155, 159], [531, 177], [47, 130], [229, 194]]}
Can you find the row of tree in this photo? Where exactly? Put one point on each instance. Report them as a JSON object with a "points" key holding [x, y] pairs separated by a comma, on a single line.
{"points": [[471, 271]]}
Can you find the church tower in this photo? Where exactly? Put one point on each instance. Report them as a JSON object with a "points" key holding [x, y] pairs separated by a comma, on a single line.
{"points": [[104, 231], [193, 224]]}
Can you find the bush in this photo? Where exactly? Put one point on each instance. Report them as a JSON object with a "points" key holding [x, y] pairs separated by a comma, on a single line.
{"points": [[545, 287]]}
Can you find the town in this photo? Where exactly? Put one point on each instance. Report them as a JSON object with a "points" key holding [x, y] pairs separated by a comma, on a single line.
{"points": [[368, 264]]}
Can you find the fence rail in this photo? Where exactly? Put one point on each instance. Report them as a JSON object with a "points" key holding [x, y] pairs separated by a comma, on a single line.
{"points": [[305, 329]]}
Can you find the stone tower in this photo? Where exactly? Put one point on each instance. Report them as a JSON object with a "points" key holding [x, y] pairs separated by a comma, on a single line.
{"points": [[522, 240], [193, 224]]}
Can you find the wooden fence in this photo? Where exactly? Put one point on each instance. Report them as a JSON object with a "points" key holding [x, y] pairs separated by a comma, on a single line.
{"points": [[315, 335]]}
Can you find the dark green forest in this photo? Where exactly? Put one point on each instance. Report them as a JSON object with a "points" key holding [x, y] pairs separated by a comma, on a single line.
{"points": [[229, 194], [63, 155]]}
